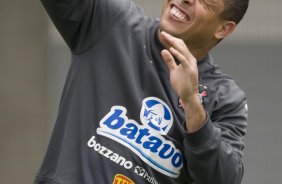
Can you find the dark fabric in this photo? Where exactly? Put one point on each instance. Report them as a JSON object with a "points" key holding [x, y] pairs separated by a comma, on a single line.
{"points": [[119, 115]]}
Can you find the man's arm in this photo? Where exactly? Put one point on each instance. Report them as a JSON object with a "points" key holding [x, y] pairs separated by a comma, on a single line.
{"points": [[213, 149], [82, 23], [184, 80], [214, 152], [67, 15]]}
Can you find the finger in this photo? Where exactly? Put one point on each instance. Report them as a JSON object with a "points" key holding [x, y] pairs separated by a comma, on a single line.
{"points": [[168, 36], [190, 64], [169, 60], [176, 43], [170, 40], [179, 56]]}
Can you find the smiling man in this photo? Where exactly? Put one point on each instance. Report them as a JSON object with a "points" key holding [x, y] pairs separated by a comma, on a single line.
{"points": [[143, 102]]}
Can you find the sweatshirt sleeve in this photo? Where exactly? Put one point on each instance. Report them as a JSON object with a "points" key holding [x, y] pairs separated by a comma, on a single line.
{"points": [[214, 153], [82, 23]]}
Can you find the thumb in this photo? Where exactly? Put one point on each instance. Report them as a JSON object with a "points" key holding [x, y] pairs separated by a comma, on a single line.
{"points": [[168, 59]]}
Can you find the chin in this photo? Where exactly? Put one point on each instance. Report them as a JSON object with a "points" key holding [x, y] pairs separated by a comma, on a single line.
{"points": [[172, 27], [167, 27], [171, 30]]}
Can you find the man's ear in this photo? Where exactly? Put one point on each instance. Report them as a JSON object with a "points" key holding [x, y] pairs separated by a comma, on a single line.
{"points": [[225, 29]]}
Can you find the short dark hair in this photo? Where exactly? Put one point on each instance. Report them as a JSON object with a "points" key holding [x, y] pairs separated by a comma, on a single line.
{"points": [[234, 10]]}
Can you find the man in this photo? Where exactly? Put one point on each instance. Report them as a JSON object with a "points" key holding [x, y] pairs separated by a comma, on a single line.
{"points": [[143, 101]]}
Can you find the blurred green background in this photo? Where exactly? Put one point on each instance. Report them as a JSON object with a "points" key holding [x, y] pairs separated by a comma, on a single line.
{"points": [[34, 61]]}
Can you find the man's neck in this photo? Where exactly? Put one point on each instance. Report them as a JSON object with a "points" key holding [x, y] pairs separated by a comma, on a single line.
{"points": [[199, 54]]}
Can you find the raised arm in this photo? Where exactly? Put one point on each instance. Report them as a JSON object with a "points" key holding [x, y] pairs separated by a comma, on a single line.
{"points": [[213, 145], [67, 15], [83, 22]]}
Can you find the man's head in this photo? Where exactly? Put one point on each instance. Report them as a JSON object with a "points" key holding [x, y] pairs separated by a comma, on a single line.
{"points": [[202, 23], [234, 10]]}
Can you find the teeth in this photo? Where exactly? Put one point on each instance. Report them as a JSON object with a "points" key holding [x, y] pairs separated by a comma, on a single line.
{"points": [[178, 14]]}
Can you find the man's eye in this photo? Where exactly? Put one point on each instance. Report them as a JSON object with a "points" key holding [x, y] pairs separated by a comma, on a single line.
{"points": [[209, 4]]}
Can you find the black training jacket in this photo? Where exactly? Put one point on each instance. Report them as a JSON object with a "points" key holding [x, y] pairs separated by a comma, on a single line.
{"points": [[119, 121]]}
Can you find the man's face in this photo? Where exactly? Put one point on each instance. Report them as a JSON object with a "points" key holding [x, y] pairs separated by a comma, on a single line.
{"points": [[192, 20]]}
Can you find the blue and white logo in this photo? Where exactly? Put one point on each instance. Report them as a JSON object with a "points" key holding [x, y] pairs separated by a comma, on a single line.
{"points": [[156, 115], [145, 140]]}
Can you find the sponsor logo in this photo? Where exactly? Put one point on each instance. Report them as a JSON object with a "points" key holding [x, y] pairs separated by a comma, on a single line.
{"points": [[144, 174], [121, 179], [139, 171], [202, 93], [156, 115], [145, 140], [109, 154], [117, 159]]}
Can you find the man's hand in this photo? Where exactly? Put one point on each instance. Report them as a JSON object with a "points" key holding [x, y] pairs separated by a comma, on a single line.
{"points": [[184, 76], [184, 79]]}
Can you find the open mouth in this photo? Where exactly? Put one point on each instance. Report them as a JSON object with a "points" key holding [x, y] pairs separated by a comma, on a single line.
{"points": [[178, 14]]}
